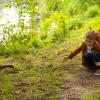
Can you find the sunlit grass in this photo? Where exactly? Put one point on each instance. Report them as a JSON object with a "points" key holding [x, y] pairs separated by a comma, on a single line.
{"points": [[37, 50]]}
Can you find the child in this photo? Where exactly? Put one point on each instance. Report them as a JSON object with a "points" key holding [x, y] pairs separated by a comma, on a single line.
{"points": [[90, 51]]}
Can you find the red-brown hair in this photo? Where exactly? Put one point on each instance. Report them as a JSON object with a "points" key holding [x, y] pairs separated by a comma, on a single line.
{"points": [[91, 34]]}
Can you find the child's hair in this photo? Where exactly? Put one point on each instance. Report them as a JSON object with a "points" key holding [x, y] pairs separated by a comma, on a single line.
{"points": [[91, 34]]}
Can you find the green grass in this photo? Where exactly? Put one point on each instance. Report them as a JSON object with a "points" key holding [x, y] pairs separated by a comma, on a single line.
{"points": [[91, 97], [39, 75], [37, 53]]}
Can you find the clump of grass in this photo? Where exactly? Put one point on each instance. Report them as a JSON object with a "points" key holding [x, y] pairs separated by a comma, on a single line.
{"points": [[91, 97], [93, 11], [6, 85]]}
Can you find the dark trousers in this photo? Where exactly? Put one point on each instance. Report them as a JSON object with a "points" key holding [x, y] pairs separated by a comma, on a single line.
{"points": [[91, 58]]}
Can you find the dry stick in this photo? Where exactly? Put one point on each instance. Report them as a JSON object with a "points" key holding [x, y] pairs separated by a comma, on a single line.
{"points": [[6, 66]]}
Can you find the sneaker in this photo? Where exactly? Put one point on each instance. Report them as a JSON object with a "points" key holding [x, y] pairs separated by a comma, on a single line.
{"points": [[97, 72]]}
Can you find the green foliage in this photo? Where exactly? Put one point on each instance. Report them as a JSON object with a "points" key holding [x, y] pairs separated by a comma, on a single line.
{"points": [[53, 5], [2, 49], [6, 4], [6, 87], [50, 22], [54, 28], [59, 20], [93, 11], [75, 24], [91, 97]]}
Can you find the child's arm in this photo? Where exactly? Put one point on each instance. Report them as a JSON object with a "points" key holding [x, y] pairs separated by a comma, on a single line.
{"points": [[76, 51]]}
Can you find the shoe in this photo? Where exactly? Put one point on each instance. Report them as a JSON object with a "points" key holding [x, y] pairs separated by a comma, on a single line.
{"points": [[97, 72]]}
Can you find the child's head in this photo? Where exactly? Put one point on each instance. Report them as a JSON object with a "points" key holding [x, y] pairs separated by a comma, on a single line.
{"points": [[90, 37]]}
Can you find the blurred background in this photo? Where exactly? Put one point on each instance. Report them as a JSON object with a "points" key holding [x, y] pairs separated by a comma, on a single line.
{"points": [[35, 23]]}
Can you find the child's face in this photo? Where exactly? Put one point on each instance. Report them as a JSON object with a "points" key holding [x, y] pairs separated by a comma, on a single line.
{"points": [[89, 42]]}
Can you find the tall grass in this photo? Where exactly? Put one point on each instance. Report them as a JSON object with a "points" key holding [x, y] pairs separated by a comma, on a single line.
{"points": [[54, 21]]}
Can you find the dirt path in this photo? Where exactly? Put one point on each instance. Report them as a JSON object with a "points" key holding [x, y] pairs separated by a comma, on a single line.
{"points": [[82, 83]]}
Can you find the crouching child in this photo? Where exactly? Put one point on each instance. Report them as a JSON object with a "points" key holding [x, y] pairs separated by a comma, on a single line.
{"points": [[90, 48]]}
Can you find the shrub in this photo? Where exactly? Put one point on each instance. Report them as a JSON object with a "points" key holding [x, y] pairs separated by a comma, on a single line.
{"points": [[75, 24], [93, 11]]}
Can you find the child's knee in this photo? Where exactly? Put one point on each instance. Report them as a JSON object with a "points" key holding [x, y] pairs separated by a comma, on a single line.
{"points": [[97, 64]]}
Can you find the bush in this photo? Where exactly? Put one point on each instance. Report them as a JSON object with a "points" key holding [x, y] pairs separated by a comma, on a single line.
{"points": [[75, 24], [54, 28], [93, 11]]}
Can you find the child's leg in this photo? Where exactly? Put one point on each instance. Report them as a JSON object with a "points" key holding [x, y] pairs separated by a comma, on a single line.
{"points": [[97, 63], [89, 61], [96, 57]]}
